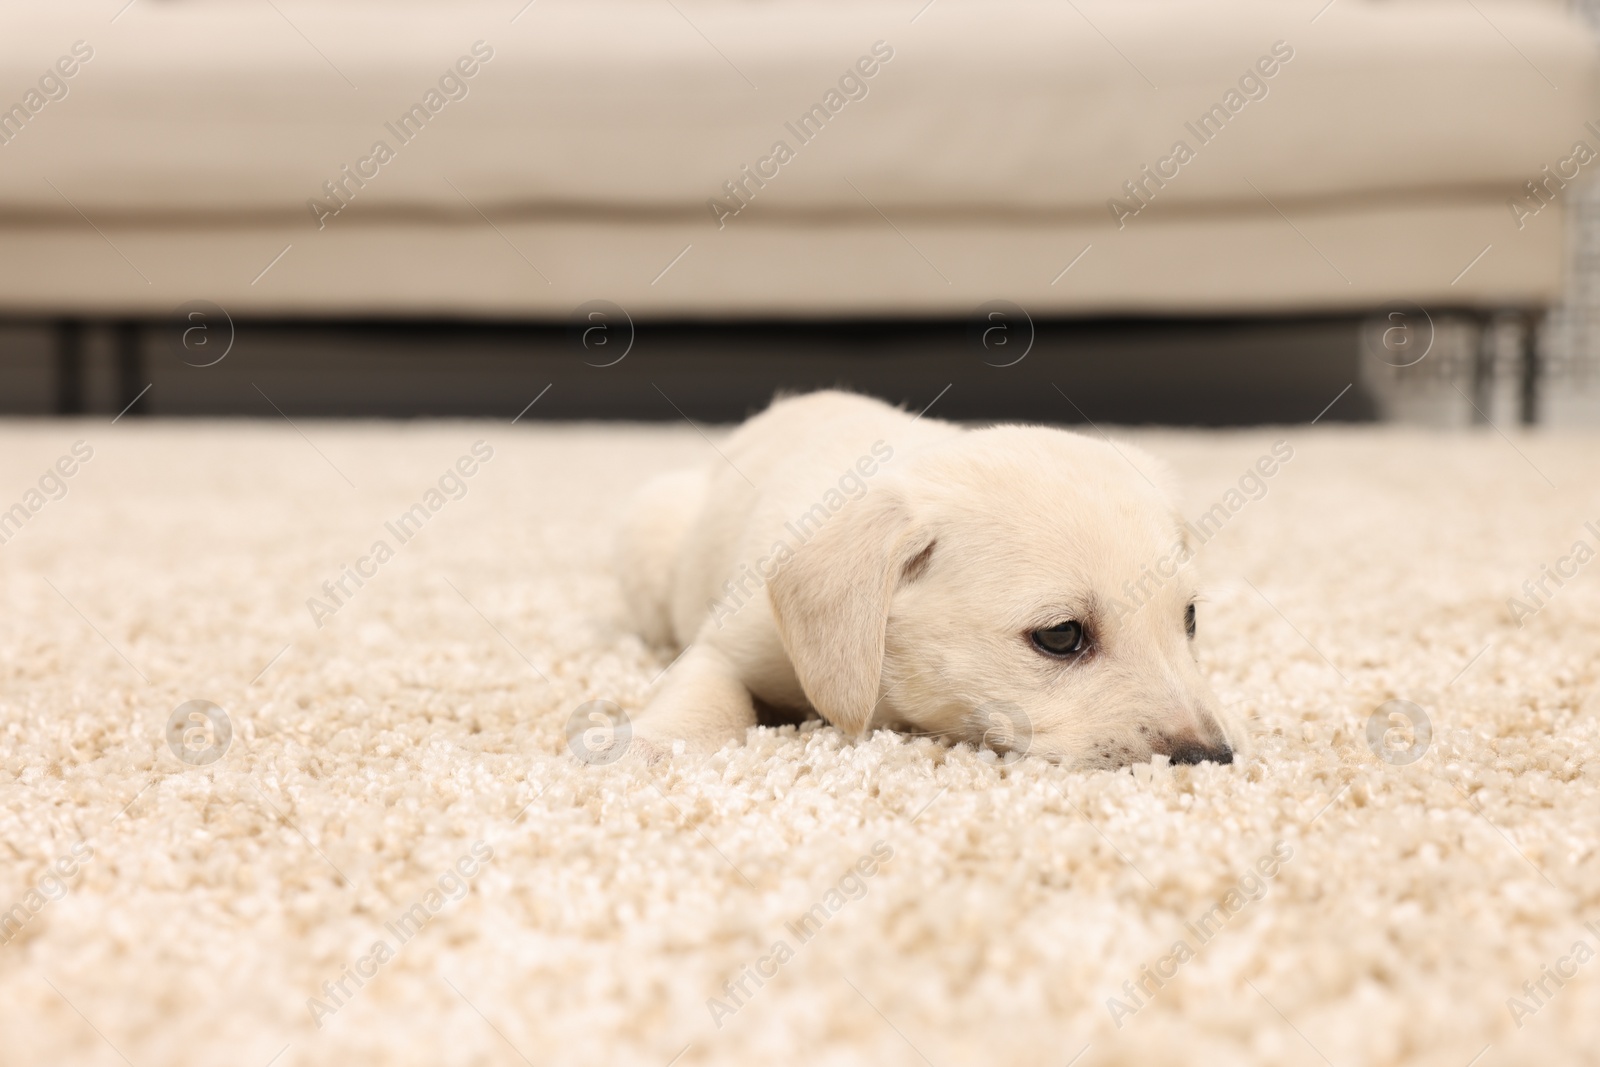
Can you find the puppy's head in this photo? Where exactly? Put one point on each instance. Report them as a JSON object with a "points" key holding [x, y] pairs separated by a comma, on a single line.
{"points": [[1020, 587]]}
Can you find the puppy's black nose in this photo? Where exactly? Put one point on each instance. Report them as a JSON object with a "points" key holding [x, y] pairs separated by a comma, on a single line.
{"points": [[1192, 753]]}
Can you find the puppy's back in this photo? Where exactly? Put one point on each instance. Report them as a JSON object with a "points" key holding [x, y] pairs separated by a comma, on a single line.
{"points": [[781, 465]]}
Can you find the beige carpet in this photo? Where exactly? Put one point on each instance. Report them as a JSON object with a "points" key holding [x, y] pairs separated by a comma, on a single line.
{"points": [[606, 907]]}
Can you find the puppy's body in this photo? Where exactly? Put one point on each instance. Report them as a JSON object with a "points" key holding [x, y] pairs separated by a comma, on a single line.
{"points": [[885, 570]]}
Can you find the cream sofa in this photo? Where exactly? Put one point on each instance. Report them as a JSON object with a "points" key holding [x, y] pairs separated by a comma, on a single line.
{"points": [[585, 155]]}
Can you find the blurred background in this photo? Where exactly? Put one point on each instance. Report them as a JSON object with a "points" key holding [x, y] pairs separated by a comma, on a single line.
{"points": [[1153, 211]]}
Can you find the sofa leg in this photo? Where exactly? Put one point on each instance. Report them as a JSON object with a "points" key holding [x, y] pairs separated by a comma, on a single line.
{"points": [[1505, 371], [69, 366], [1531, 364], [1486, 344], [130, 368]]}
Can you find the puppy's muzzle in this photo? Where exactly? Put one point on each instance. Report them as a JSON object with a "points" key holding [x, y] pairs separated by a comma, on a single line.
{"points": [[1194, 747], [1193, 752]]}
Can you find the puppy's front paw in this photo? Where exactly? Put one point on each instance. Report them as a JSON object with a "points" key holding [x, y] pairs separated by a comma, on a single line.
{"points": [[701, 705], [650, 751]]}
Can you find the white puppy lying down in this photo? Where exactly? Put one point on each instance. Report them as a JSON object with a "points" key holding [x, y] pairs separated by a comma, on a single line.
{"points": [[890, 571]]}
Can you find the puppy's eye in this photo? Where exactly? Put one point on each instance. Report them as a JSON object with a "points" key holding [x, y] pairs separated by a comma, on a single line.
{"points": [[1188, 620], [1067, 639]]}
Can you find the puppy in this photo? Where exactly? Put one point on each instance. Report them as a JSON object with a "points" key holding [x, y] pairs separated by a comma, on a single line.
{"points": [[886, 571]]}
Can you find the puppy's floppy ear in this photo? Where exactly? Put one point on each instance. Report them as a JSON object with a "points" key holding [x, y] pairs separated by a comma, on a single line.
{"points": [[832, 604]]}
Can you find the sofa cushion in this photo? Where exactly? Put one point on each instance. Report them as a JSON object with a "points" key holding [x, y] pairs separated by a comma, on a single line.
{"points": [[1018, 107]]}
